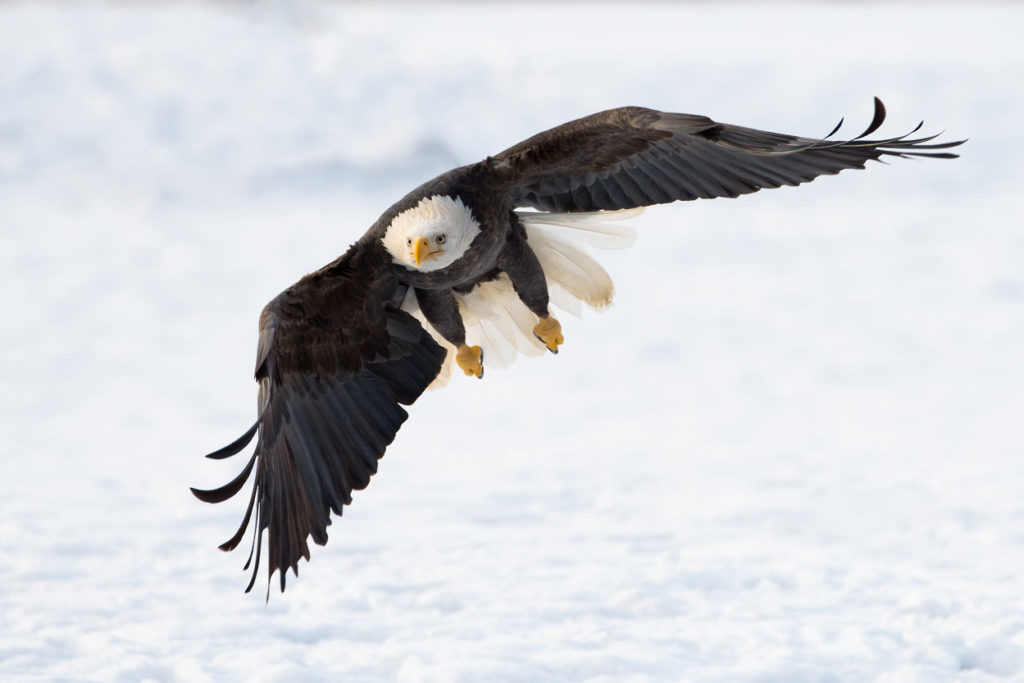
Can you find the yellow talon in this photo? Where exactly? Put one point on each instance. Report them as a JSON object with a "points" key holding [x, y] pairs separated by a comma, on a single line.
{"points": [[470, 359], [549, 331]]}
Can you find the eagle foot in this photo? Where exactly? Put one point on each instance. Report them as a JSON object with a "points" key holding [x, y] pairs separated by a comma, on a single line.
{"points": [[549, 332], [471, 360]]}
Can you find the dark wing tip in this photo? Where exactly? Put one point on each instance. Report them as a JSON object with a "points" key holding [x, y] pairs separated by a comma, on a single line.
{"points": [[836, 129], [219, 495], [876, 120], [207, 496], [236, 445]]}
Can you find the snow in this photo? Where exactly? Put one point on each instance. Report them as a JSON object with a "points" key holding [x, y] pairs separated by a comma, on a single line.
{"points": [[790, 452]]}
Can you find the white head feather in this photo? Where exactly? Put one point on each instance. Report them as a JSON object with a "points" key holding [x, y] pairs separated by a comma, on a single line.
{"points": [[446, 222]]}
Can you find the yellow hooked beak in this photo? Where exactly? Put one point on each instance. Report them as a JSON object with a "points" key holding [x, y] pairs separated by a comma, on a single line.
{"points": [[421, 250]]}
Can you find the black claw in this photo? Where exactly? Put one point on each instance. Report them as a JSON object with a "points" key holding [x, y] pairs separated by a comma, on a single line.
{"points": [[541, 340]]}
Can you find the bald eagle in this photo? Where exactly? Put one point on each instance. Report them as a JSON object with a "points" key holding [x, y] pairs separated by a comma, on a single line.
{"points": [[476, 255]]}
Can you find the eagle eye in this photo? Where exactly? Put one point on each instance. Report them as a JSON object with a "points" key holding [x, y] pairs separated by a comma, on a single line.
{"points": [[440, 239]]}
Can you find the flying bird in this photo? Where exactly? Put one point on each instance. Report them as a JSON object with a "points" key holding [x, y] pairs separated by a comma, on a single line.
{"points": [[463, 270]]}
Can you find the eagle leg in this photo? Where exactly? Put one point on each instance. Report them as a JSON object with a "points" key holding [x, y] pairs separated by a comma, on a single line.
{"points": [[442, 312], [470, 359], [549, 331], [524, 270]]}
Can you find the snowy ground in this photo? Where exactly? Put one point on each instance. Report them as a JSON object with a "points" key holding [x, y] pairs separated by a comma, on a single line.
{"points": [[791, 452]]}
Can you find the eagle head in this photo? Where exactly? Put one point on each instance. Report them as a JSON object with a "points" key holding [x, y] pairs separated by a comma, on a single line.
{"points": [[431, 235]]}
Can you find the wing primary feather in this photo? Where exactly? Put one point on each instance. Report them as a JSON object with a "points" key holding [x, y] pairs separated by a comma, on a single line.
{"points": [[233, 542], [876, 120], [256, 525], [917, 143], [236, 445], [836, 129], [258, 542], [858, 142], [930, 155], [219, 495]]}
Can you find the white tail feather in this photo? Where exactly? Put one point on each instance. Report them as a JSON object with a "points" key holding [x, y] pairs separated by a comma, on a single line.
{"points": [[500, 323], [592, 227], [572, 269]]}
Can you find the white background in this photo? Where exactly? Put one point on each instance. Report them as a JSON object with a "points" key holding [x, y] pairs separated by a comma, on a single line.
{"points": [[792, 451]]}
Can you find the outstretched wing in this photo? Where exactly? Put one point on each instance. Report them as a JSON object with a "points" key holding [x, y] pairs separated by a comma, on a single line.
{"points": [[631, 156], [335, 360]]}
